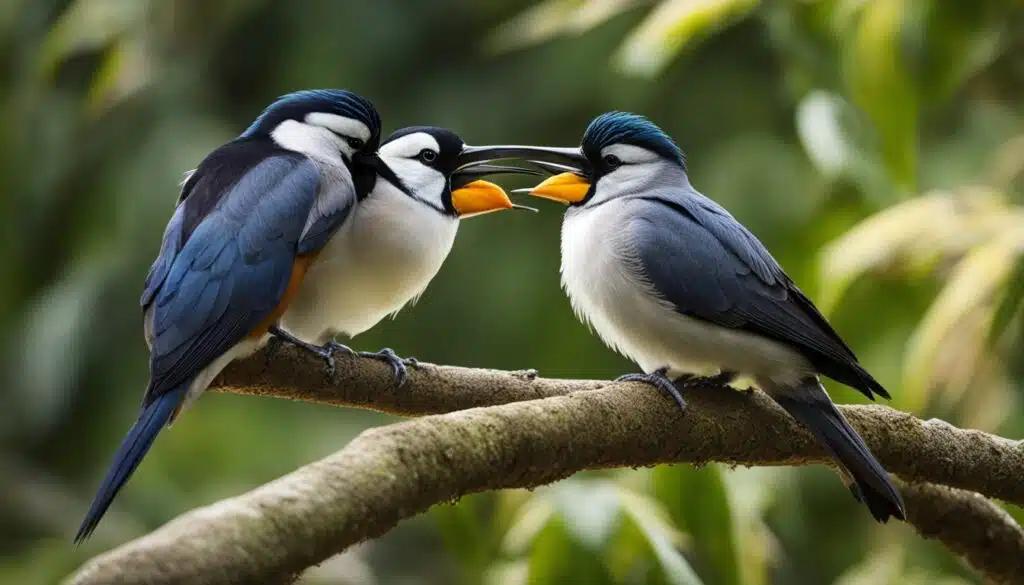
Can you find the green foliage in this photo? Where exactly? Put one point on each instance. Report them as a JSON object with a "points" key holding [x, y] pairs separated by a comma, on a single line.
{"points": [[874, 145]]}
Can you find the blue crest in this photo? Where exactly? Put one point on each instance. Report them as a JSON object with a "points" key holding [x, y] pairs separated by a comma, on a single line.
{"points": [[296, 105], [625, 128]]}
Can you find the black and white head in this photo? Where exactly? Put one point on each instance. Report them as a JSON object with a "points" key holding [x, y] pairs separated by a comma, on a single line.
{"points": [[621, 154], [331, 126], [429, 165]]}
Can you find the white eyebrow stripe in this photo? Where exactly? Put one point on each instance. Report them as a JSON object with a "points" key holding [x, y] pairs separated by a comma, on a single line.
{"points": [[340, 125], [410, 145]]}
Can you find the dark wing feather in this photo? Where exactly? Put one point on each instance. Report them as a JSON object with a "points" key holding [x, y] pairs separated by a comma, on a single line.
{"points": [[710, 267], [200, 195], [231, 270]]}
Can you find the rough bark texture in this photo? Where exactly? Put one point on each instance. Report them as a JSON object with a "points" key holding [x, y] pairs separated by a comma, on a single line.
{"points": [[989, 539], [533, 431]]}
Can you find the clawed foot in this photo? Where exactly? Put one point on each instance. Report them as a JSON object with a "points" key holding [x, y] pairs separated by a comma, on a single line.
{"points": [[659, 380], [325, 352], [723, 378], [398, 365]]}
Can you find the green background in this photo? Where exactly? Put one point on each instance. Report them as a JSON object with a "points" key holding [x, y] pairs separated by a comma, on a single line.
{"points": [[807, 120]]}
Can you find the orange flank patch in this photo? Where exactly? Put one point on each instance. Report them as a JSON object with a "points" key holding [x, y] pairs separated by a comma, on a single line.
{"points": [[299, 268]]}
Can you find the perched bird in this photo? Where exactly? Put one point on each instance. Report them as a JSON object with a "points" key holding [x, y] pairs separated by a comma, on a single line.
{"points": [[395, 240], [670, 279], [249, 225]]}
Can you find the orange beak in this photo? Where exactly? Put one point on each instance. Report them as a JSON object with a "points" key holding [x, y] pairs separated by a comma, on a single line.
{"points": [[565, 187], [479, 197]]}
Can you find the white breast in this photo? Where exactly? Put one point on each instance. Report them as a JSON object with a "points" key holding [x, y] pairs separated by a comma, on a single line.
{"points": [[383, 257], [607, 289]]}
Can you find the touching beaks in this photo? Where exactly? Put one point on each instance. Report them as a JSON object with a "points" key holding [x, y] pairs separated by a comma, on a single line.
{"points": [[570, 186], [567, 188], [566, 156], [479, 197]]}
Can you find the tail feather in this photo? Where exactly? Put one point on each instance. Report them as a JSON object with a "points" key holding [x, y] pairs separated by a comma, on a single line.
{"points": [[136, 444], [871, 484]]}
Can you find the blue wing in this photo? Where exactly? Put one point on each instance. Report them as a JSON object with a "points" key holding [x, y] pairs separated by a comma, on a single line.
{"points": [[710, 267], [231, 266], [226, 259]]}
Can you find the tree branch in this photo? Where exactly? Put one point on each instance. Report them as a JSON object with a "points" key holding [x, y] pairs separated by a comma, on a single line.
{"points": [[981, 532], [390, 473]]}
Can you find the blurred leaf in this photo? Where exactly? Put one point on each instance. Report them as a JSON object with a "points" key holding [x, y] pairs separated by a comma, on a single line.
{"points": [[880, 569], [658, 536], [126, 69], [698, 502], [671, 27], [89, 25], [552, 18], [971, 288], [947, 42], [1011, 302], [881, 241], [817, 123], [462, 529], [590, 510], [531, 518], [881, 85], [558, 557], [911, 236]]}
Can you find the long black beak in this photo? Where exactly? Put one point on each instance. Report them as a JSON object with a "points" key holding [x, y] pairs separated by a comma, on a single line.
{"points": [[474, 171], [567, 156]]}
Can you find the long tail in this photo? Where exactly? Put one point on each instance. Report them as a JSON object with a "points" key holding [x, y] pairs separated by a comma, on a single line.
{"points": [[133, 448], [809, 404]]}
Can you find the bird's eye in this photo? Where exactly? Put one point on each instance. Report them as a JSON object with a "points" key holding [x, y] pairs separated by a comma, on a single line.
{"points": [[355, 142], [427, 156], [611, 161]]}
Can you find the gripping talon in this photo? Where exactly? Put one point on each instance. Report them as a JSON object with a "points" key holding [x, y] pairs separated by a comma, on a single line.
{"points": [[388, 356], [659, 380], [325, 352]]}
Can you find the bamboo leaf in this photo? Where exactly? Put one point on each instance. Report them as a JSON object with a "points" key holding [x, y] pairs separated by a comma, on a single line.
{"points": [[969, 291], [551, 19], [671, 27]]}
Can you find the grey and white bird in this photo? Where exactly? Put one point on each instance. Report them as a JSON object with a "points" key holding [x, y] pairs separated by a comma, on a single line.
{"points": [[670, 279], [395, 239]]}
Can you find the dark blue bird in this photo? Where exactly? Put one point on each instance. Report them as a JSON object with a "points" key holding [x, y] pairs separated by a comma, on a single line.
{"points": [[670, 279], [249, 222]]}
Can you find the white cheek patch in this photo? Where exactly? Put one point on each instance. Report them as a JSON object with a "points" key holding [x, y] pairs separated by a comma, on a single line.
{"points": [[424, 183], [315, 141], [410, 145], [339, 125], [629, 178]]}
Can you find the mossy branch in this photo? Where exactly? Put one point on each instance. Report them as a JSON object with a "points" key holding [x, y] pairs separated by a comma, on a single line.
{"points": [[508, 429]]}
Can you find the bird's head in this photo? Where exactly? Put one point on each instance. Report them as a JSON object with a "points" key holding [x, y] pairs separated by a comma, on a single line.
{"points": [[620, 154], [429, 164], [331, 125]]}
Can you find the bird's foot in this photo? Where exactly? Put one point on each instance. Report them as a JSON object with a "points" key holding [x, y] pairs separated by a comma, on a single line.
{"points": [[659, 379], [325, 352], [398, 365], [723, 378]]}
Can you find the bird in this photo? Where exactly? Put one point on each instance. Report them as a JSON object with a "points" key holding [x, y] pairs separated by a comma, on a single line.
{"points": [[249, 221], [395, 240], [248, 228], [670, 279]]}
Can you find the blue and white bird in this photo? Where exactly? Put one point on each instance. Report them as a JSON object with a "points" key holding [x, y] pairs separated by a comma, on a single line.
{"points": [[301, 183], [670, 279]]}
